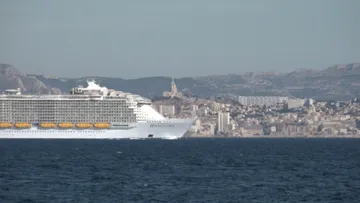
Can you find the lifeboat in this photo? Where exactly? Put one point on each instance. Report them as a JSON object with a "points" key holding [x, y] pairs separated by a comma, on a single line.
{"points": [[66, 125], [6, 125], [84, 125], [48, 125], [102, 125], [22, 125]]}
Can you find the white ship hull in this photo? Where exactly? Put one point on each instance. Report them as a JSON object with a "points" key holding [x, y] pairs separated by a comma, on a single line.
{"points": [[168, 129]]}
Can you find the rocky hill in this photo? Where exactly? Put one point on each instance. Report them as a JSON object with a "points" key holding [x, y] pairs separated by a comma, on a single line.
{"points": [[11, 78], [339, 82]]}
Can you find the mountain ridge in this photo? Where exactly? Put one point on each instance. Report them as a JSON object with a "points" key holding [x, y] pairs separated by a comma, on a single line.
{"points": [[335, 82]]}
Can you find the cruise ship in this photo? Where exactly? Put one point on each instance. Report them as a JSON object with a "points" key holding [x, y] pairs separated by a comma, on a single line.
{"points": [[91, 112]]}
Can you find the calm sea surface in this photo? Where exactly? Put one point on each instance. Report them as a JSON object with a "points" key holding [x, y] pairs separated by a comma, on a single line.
{"points": [[188, 170]]}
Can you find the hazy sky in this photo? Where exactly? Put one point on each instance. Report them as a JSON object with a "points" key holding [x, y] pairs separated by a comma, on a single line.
{"points": [[131, 39]]}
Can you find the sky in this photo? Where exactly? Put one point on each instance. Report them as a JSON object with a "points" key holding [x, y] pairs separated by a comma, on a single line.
{"points": [[132, 39]]}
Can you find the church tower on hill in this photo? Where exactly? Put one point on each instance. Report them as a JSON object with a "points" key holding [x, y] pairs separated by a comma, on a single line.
{"points": [[174, 91]]}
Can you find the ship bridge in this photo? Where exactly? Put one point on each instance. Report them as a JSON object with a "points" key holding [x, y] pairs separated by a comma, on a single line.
{"points": [[13, 91], [95, 89]]}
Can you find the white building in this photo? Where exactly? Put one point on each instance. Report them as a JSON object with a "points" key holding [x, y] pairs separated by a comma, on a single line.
{"points": [[223, 121], [295, 103], [167, 110], [261, 100]]}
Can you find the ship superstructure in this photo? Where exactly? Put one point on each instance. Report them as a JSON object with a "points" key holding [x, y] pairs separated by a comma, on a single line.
{"points": [[86, 112]]}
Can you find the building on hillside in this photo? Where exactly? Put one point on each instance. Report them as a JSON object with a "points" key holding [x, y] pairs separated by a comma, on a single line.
{"points": [[174, 91], [261, 100], [295, 103], [223, 121], [167, 110]]}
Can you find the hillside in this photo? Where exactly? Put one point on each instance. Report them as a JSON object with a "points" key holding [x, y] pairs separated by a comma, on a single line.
{"points": [[340, 82], [11, 78]]}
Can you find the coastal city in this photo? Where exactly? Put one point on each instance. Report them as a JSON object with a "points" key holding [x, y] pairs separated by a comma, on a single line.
{"points": [[254, 116], [180, 101]]}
